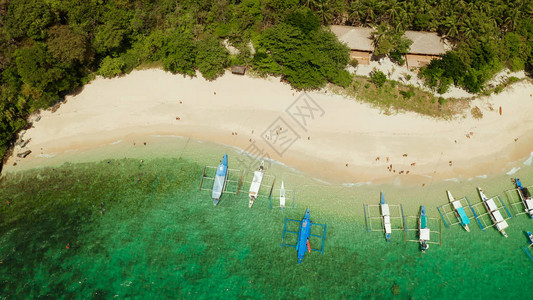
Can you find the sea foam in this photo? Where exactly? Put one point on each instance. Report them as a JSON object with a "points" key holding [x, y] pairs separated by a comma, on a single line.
{"points": [[452, 179], [46, 155], [513, 170], [529, 161], [356, 184]]}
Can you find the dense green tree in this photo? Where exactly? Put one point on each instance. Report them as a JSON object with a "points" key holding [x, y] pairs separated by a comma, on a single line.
{"points": [[308, 57], [179, 53], [111, 67], [28, 18], [212, 58], [303, 19], [67, 47], [36, 67]]}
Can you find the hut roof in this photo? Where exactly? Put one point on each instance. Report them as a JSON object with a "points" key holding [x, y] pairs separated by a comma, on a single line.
{"points": [[357, 38], [427, 43]]}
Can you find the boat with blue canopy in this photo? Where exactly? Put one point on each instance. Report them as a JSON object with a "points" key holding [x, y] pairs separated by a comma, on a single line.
{"points": [[423, 230], [459, 211]]}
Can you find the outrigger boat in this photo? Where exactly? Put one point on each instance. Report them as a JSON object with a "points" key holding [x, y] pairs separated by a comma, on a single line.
{"points": [[220, 180], [282, 196], [423, 230], [525, 197], [494, 213], [304, 235], [459, 211], [385, 215], [286, 197], [256, 184]]}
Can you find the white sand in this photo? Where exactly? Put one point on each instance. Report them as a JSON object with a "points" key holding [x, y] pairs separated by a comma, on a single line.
{"points": [[342, 131]]}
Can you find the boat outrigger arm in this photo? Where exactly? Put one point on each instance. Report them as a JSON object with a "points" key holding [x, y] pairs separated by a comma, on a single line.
{"points": [[220, 180], [256, 184]]}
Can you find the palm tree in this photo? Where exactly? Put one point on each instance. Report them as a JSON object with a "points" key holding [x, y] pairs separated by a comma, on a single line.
{"points": [[355, 15], [393, 11], [323, 9], [371, 9], [451, 29]]}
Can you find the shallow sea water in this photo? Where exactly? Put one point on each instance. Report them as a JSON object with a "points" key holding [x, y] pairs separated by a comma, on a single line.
{"points": [[160, 237]]}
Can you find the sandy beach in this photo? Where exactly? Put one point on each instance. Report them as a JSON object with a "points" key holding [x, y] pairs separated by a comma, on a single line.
{"points": [[317, 132]]}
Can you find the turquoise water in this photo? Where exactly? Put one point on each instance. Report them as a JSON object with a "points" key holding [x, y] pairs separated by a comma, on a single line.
{"points": [[159, 237]]}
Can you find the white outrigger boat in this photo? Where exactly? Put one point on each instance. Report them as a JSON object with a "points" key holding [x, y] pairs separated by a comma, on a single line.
{"points": [[494, 213], [525, 196], [256, 184], [423, 230], [459, 211], [385, 215], [282, 196], [218, 180]]}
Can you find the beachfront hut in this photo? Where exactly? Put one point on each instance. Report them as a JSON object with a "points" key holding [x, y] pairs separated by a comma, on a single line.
{"points": [[426, 46], [239, 70], [358, 39]]}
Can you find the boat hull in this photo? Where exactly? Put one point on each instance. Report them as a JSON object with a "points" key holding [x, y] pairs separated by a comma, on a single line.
{"points": [[219, 182]]}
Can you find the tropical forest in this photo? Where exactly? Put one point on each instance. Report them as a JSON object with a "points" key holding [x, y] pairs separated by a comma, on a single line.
{"points": [[51, 48]]}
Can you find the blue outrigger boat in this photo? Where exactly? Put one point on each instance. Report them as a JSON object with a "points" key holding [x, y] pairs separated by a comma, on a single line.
{"points": [[304, 233], [423, 230], [220, 180], [303, 237], [459, 211]]}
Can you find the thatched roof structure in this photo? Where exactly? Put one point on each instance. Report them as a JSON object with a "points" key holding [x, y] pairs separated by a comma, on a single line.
{"points": [[425, 43], [357, 38], [360, 39]]}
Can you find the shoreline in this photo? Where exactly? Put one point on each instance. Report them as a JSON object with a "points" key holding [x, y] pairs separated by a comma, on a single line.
{"points": [[317, 132]]}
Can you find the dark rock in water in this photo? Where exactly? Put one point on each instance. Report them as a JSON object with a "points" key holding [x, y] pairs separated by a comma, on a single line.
{"points": [[24, 143], [395, 289], [24, 154]]}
